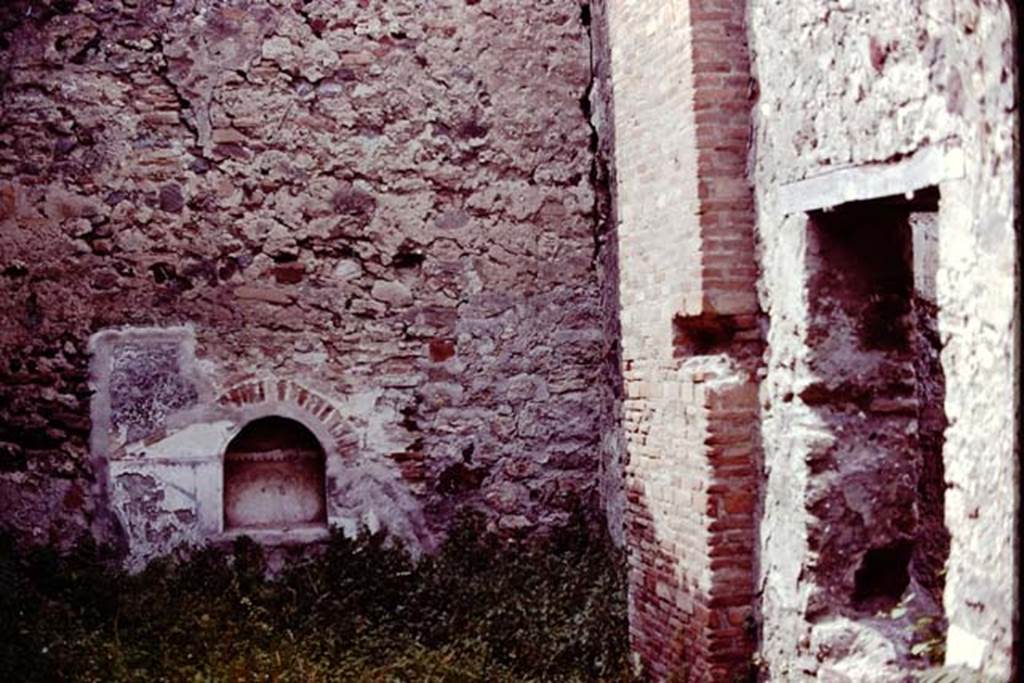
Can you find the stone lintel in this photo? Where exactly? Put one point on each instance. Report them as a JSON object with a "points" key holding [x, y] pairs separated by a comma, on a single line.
{"points": [[923, 168]]}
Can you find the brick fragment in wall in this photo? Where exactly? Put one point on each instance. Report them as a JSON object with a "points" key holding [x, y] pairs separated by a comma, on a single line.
{"points": [[337, 196]]}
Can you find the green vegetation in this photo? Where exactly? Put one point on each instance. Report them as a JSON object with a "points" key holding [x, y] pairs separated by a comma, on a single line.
{"points": [[358, 611]]}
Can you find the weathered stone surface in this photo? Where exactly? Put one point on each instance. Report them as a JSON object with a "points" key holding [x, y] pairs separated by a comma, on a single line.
{"points": [[527, 257], [266, 294], [340, 194], [853, 100], [850, 102], [392, 293], [147, 383]]}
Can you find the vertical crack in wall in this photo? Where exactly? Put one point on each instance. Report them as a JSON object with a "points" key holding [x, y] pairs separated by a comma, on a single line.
{"points": [[591, 105], [597, 104], [185, 110]]}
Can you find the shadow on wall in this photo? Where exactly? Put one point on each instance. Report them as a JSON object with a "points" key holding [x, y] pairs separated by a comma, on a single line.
{"points": [[692, 589], [693, 510], [657, 618]]}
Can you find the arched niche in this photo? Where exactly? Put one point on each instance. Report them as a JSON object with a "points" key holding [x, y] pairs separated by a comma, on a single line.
{"points": [[274, 477]]}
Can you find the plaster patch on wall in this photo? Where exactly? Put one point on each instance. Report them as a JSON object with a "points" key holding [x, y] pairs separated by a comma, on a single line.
{"points": [[964, 648], [140, 377], [164, 506], [192, 441]]}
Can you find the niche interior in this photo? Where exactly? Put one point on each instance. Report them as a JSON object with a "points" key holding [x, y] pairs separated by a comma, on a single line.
{"points": [[881, 390], [274, 477]]}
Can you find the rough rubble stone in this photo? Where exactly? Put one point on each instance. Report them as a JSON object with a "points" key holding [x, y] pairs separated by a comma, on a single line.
{"points": [[339, 194]]}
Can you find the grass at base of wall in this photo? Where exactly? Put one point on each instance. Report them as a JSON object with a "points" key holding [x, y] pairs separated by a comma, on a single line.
{"points": [[479, 610]]}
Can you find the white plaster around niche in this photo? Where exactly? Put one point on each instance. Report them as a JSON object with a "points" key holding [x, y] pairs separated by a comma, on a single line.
{"points": [[160, 431]]}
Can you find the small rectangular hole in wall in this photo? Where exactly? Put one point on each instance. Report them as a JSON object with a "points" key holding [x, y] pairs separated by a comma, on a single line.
{"points": [[882, 577], [880, 388]]}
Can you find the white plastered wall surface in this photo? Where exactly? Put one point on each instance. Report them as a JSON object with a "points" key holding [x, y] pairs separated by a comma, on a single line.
{"points": [[863, 89], [161, 426]]}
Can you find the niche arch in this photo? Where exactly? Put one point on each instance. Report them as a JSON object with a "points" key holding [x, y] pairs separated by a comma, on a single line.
{"points": [[274, 477], [287, 442], [361, 490], [259, 398]]}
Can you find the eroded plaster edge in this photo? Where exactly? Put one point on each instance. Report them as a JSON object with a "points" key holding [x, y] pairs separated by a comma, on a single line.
{"points": [[100, 348]]}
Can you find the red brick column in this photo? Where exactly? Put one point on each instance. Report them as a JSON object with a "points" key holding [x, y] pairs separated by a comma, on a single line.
{"points": [[722, 104], [692, 511], [691, 532], [690, 334], [733, 445]]}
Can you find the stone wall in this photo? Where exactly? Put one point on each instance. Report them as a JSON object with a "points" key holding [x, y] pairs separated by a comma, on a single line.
{"points": [[389, 204], [866, 109], [883, 145], [506, 255]]}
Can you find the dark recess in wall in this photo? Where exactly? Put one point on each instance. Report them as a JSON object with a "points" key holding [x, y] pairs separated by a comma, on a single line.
{"points": [[875, 347], [274, 476], [882, 577]]}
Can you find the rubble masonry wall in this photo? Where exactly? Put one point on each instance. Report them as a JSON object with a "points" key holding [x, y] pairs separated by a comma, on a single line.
{"points": [[873, 89], [388, 203]]}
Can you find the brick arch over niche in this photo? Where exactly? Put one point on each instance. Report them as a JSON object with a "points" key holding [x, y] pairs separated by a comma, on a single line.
{"points": [[258, 398], [360, 492]]}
